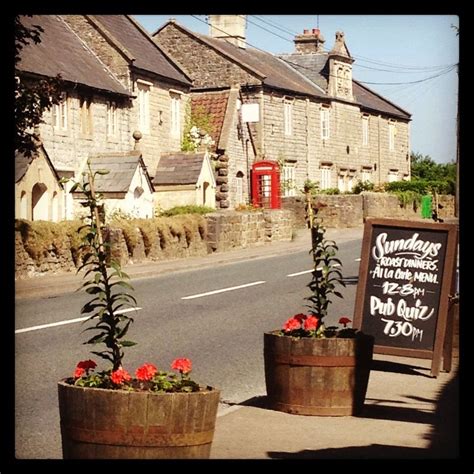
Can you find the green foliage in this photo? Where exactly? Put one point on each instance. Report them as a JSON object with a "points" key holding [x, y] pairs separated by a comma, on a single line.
{"points": [[199, 119], [441, 177], [330, 191], [311, 187], [362, 186], [190, 209], [108, 291], [326, 274], [32, 96]]}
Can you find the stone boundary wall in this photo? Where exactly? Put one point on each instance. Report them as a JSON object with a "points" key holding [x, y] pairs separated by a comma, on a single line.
{"points": [[351, 210], [225, 230]]}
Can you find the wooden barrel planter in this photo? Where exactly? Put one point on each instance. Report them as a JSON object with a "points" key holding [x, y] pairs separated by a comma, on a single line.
{"points": [[116, 424], [309, 376]]}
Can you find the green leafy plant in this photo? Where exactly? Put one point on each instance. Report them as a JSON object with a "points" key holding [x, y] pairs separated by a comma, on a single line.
{"points": [[326, 276], [363, 186], [110, 293]]}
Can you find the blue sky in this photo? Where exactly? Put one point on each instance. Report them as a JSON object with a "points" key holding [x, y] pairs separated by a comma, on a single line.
{"points": [[387, 49]]}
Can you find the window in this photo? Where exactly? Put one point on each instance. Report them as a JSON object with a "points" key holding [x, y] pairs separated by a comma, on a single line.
{"points": [[392, 176], [341, 182], [144, 106], [365, 130], [112, 121], [59, 114], [239, 188], [366, 175], [326, 179], [288, 117], [86, 115], [55, 207], [288, 184], [325, 123], [23, 206], [175, 115], [391, 136]]}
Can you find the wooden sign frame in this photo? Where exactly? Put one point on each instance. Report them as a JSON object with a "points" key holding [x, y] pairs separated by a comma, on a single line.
{"points": [[445, 285]]}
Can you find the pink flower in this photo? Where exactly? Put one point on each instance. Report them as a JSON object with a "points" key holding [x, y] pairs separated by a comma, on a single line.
{"points": [[120, 376], [291, 324], [311, 323], [79, 372], [182, 365], [344, 321], [146, 372]]}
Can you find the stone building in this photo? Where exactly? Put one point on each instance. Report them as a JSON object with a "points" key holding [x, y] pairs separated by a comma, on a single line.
{"points": [[158, 86], [94, 113], [302, 110]]}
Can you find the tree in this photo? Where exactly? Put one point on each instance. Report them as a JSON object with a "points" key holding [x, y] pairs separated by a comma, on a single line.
{"points": [[32, 96], [424, 167]]}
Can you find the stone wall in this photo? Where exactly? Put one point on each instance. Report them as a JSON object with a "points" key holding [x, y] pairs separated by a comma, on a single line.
{"points": [[230, 230], [350, 210], [207, 67], [170, 239]]}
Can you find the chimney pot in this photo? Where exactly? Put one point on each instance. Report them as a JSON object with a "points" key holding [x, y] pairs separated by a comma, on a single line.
{"points": [[315, 31], [306, 32]]}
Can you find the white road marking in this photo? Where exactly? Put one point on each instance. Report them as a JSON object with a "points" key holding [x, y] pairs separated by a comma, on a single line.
{"points": [[309, 271], [215, 292], [68, 321]]}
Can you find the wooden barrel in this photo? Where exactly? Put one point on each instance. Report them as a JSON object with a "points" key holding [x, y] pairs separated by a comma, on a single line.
{"points": [[310, 376], [116, 424]]}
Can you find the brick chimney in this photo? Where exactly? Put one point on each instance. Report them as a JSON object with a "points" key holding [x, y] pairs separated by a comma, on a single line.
{"points": [[229, 27], [310, 42]]}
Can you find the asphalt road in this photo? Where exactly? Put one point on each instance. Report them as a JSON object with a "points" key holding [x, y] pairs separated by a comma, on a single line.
{"points": [[222, 333]]}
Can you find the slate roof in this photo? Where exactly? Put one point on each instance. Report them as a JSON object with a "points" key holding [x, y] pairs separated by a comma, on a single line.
{"points": [[62, 52], [22, 163], [179, 168], [271, 70], [314, 67], [215, 105], [147, 55], [121, 167]]}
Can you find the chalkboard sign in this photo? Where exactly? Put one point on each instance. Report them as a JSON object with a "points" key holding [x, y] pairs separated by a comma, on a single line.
{"points": [[405, 276]]}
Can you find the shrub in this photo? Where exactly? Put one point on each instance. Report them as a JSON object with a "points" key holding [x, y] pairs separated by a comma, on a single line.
{"points": [[363, 186], [189, 209]]}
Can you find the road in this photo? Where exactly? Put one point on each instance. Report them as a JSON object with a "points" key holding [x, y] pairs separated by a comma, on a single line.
{"points": [[182, 315]]}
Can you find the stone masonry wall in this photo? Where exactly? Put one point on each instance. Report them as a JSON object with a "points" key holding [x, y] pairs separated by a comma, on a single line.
{"points": [[206, 66], [223, 231], [350, 210]]}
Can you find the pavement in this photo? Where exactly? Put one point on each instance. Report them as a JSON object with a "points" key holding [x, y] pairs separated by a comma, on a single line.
{"points": [[407, 414]]}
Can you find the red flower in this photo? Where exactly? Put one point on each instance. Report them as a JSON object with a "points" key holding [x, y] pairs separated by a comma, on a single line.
{"points": [[146, 372], [291, 324], [311, 323], [182, 365], [300, 317], [344, 321], [120, 376], [79, 372], [87, 364]]}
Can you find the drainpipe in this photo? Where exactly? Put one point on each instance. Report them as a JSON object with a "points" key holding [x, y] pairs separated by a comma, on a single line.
{"points": [[261, 124], [307, 138], [379, 174]]}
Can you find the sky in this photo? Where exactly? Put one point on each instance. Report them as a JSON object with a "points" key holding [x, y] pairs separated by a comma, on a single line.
{"points": [[410, 59]]}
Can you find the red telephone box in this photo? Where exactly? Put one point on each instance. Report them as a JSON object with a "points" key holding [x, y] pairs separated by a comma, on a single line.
{"points": [[266, 184]]}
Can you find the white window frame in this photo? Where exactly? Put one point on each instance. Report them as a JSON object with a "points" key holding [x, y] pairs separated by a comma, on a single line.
{"points": [[365, 130], [112, 119], [288, 179], [391, 136], [175, 114], [143, 96], [325, 123], [239, 189], [59, 114], [326, 177], [392, 176], [288, 117], [366, 175]]}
